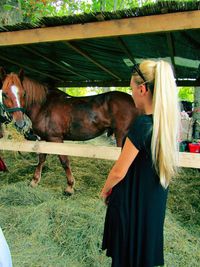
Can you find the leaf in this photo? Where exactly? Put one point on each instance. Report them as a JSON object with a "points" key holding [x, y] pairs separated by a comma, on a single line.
{"points": [[7, 7]]}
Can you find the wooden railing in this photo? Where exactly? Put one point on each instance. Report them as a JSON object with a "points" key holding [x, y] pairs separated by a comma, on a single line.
{"points": [[189, 160]]}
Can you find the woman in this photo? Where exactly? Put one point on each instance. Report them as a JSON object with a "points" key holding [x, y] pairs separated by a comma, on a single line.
{"points": [[133, 231]]}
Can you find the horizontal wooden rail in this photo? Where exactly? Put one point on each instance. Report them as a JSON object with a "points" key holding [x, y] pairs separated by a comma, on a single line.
{"points": [[77, 150], [189, 160], [118, 27]]}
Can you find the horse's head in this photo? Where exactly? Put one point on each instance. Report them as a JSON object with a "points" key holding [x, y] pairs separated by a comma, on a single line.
{"points": [[13, 96]]}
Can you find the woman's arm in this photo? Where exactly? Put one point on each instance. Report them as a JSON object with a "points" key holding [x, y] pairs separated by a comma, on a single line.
{"points": [[120, 168]]}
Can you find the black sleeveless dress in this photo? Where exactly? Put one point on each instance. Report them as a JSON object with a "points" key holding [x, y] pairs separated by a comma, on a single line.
{"points": [[133, 230]]}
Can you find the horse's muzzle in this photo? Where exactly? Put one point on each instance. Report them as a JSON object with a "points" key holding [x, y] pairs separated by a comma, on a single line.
{"points": [[25, 127], [20, 124]]}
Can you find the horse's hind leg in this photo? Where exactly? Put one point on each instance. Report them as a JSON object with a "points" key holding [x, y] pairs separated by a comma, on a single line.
{"points": [[119, 135], [38, 170], [70, 179]]}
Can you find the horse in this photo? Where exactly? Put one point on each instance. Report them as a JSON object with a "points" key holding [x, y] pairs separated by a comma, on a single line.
{"points": [[56, 116]]}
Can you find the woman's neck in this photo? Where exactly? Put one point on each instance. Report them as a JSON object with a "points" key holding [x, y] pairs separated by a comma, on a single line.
{"points": [[148, 108]]}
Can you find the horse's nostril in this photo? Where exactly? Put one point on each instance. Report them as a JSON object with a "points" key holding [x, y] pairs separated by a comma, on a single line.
{"points": [[20, 124]]}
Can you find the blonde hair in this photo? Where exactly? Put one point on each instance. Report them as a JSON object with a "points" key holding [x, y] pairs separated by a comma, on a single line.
{"points": [[164, 146]]}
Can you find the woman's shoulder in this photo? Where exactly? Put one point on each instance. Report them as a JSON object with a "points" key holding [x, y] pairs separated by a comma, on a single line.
{"points": [[142, 123], [140, 131], [143, 119]]}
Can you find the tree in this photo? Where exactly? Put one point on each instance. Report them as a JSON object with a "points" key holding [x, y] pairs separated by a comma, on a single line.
{"points": [[186, 93], [10, 12], [32, 10]]}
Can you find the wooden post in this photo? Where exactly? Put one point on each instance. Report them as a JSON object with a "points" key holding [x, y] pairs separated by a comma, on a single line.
{"points": [[196, 113]]}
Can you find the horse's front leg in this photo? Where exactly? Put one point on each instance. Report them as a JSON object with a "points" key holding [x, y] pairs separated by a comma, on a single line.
{"points": [[38, 171], [69, 190]]}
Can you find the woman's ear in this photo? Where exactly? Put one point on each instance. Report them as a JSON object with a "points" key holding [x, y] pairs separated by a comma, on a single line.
{"points": [[142, 89]]}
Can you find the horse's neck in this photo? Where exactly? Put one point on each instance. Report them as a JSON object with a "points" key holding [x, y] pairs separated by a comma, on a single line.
{"points": [[32, 111], [36, 95]]}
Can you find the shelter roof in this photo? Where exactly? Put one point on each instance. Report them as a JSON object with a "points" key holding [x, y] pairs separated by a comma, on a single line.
{"points": [[99, 49]]}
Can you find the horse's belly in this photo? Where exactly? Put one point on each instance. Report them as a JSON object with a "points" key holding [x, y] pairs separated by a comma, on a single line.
{"points": [[83, 131], [82, 135]]}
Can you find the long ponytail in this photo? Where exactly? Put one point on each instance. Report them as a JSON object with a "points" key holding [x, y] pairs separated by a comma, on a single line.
{"points": [[165, 123], [160, 77]]}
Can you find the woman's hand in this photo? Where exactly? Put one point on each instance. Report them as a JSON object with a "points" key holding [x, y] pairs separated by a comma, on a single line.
{"points": [[105, 195]]}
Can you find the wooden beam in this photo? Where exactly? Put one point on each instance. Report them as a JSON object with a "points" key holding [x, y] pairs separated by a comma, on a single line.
{"points": [[91, 59], [189, 160], [94, 83], [116, 83], [188, 83], [130, 26], [125, 49], [29, 68], [52, 61], [170, 44]]}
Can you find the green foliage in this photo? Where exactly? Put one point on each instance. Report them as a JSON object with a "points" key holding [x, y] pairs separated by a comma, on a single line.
{"points": [[8, 7], [33, 10], [186, 93], [77, 91]]}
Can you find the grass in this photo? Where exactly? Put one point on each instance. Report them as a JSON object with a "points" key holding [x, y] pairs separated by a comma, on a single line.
{"points": [[46, 229]]}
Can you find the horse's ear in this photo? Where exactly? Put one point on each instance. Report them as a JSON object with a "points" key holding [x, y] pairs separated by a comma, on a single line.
{"points": [[21, 75], [2, 74]]}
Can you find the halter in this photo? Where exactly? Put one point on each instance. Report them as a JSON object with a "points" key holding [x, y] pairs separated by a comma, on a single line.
{"points": [[5, 116], [11, 110]]}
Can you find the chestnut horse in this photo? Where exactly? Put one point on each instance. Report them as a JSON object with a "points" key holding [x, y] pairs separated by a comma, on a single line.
{"points": [[57, 116]]}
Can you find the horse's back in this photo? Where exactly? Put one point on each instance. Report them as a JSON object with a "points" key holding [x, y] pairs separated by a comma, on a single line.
{"points": [[122, 105], [109, 106]]}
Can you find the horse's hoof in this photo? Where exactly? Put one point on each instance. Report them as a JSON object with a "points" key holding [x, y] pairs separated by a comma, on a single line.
{"points": [[33, 184], [68, 192]]}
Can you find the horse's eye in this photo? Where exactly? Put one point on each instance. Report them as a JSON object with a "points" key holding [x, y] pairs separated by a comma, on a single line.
{"points": [[4, 95], [24, 94]]}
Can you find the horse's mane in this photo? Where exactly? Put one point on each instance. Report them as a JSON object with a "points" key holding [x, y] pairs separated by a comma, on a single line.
{"points": [[35, 92]]}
